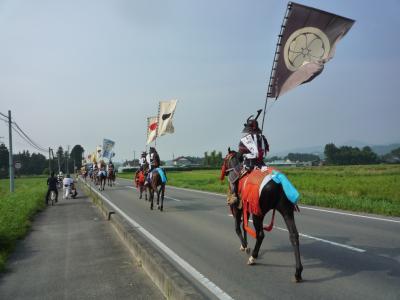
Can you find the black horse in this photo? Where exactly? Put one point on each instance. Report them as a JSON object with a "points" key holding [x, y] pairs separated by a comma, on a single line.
{"points": [[158, 186], [272, 197]]}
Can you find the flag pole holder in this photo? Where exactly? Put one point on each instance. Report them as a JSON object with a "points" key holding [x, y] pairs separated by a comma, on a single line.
{"points": [[275, 61]]}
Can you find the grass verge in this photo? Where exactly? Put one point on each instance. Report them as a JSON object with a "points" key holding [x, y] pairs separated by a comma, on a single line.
{"points": [[370, 189], [17, 210]]}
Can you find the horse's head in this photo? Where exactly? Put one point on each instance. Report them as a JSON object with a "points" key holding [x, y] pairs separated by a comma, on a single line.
{"points": [[231, 161]]}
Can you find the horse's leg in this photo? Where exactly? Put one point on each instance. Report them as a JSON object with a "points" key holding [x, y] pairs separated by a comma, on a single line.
{"points": [[258, 226], [151, 197], [162, 196], [237, 216], [158, 197], [288, 216]]}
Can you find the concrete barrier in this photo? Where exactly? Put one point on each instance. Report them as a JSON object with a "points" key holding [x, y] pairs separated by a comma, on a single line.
{"points": [[172, 283]]}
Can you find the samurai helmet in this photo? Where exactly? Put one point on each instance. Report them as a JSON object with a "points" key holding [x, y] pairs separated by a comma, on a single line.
{"points": [[251, 125], [152, 150], [144, 153]]}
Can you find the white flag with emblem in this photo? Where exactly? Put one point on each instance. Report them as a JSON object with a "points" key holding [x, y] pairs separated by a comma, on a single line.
{"points": [[151, 129], [166, 112]]}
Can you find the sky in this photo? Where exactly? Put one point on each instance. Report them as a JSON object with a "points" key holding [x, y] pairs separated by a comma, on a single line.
{"points": [[75, 72]]}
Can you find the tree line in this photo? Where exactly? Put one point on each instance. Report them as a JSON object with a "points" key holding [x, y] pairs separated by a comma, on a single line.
{"points": [[38, 164], [346, 155]]}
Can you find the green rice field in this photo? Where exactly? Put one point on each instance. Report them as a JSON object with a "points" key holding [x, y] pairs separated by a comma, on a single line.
{"points": [[371, 189]]}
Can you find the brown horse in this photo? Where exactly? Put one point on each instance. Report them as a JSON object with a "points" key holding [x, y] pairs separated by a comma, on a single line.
{"points": [[272, 197], [140, 179], [110, 177], [156, 185]]}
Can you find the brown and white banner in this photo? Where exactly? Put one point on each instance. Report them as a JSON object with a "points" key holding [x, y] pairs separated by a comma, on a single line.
{"points": [[151, 129], [165, 115], [307, 41]]}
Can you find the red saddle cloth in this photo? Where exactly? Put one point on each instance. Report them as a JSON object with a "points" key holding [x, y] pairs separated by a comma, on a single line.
{"points": [[249, 187]]}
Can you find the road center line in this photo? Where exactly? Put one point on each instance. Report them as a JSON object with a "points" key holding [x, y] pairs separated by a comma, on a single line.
{"points": [[325, 241], [174, 199], [320, 240], [301, 206], [213, 288]]}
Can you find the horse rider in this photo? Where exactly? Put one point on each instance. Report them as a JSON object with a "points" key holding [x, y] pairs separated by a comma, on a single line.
{"points": [[143, 166], [253, 147], [142, 161], [153, 160], [110, 167]]}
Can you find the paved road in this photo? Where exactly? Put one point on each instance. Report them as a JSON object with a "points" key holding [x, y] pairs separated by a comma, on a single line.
{"points": [[344, 256], [73, 253]]}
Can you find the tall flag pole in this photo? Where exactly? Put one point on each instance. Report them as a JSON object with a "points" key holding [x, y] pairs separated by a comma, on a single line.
{"points": [[274, 62], [307, 41]]}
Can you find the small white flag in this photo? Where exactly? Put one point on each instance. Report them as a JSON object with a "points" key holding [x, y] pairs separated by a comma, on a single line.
{"points": [[165, 115], [151, 129]]}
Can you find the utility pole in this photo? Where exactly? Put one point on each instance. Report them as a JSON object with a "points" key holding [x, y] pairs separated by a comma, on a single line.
{"points": [[59, 167], [67, 160], [10, 154], [134, 157], [49, 161]]}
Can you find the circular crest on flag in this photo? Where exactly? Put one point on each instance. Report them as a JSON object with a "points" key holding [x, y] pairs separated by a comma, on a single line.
{"points": [[307, 44]]}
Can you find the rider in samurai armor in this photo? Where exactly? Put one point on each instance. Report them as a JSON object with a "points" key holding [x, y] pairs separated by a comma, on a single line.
{"points": [[153, 160], [143, 162], [253, 147]]}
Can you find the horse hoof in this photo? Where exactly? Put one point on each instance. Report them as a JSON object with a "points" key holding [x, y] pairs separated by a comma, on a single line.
{"points": [[251, 261], [161, 208], [245, 249], [297, 279]]}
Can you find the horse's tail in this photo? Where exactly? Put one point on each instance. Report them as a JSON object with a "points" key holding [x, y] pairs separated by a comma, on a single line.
{"points": [[271, 225]]}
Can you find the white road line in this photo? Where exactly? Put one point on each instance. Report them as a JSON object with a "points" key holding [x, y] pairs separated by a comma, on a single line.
{"points": [[301, 206], [213, 288], [349, 214], [173, 199], [325, 241], [319, 239]]}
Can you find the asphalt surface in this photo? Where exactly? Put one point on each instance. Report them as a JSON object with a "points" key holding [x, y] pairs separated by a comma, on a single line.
{"points": [[344, 255], [73, 253]]}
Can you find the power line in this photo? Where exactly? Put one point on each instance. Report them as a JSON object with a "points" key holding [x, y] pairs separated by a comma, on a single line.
{"points": [[32, 142], [27, 140]]}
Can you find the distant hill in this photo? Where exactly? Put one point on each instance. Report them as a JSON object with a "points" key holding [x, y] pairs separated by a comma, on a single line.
{"points": [[384, 149], [319, 150]]}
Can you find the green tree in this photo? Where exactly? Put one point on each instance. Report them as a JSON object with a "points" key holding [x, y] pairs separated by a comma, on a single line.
{"points": [[3, 161], [331, 153], [77, 154], [60, 158]]}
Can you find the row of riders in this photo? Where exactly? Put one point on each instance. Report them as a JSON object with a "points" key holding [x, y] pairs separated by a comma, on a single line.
{"points": [[251, 189], [100, 173]]}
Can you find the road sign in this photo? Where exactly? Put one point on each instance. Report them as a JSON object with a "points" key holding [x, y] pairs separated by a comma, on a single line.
{"points": [[18, 165]]}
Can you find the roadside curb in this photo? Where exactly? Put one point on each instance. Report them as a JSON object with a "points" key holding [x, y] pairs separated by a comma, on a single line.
{"points": [[162, 272]]}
